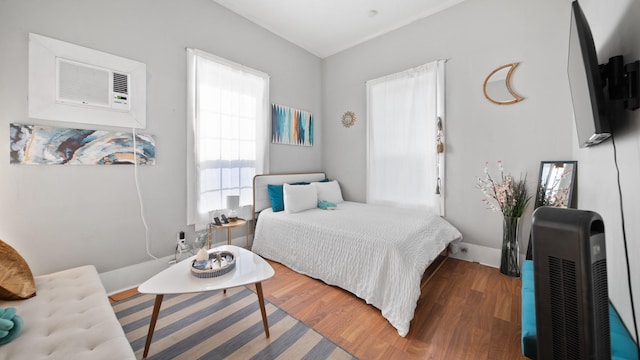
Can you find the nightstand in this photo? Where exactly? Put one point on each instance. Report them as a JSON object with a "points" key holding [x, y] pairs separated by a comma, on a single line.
{"points": [[230, 226]]}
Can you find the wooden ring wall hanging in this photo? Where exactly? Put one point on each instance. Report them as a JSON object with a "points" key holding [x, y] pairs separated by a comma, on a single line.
{"points": [[348, 119]]}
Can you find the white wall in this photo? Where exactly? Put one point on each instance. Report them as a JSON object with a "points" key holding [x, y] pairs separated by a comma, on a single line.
{"points": [[476, 37], [62, 216], [615, 30]]}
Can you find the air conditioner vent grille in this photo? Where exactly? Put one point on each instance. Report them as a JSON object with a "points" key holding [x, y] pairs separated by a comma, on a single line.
{"points": [[81, 84], [120, 83]]}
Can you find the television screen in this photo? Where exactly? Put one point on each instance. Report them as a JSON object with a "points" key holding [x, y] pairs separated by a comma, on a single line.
{"points": [[587, 91]]}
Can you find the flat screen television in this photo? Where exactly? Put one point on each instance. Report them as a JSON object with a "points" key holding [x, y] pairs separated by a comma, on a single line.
{"points": [[587, 86]]}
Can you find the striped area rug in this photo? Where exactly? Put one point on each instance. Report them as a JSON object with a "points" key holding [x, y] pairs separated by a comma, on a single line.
{"points": [[214, 325]]}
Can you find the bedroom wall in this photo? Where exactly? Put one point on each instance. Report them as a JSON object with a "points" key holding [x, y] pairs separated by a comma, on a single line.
{"points": [[475, 36], [63, 216], [615, 30]]}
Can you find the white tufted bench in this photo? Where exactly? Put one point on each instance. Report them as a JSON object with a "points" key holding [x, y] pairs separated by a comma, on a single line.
{"points": [[69, 318]]}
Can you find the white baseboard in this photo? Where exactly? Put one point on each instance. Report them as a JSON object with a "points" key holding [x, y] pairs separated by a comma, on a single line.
{"points": [[129, 277], [132, 276], [480, 254]]}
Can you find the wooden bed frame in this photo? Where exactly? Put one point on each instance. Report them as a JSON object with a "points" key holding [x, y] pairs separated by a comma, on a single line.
{"points": [[261, 201], [433, 268]]}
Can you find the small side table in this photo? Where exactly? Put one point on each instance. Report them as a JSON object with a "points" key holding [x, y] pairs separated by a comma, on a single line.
{"points": [[232, 224]]}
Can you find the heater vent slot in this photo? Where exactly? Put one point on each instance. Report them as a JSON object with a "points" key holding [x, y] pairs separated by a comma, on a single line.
{"points": [[601, 301], [564, 309]]}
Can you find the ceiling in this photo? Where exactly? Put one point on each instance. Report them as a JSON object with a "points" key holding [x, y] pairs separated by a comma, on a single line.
{"points": [[326, 27]]}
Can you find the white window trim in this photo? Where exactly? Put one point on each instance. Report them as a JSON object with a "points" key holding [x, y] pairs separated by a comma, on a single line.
{"points": [[263, 131], [439, 113]]}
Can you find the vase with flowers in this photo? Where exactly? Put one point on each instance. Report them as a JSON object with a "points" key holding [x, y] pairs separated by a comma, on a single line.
{"points": [[510, 197]]}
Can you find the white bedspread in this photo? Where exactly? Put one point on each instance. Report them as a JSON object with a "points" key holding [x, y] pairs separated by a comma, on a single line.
{"points": [[377, 253]]}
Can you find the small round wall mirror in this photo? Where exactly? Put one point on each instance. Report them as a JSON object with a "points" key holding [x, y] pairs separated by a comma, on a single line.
{"points": [[497, 86], [348, 119]]}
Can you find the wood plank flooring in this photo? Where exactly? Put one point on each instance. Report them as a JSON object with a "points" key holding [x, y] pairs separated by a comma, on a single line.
{"points": [[466, 311]]}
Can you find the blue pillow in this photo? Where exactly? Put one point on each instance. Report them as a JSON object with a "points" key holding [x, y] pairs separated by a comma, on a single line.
{"points": [[276, 195]]}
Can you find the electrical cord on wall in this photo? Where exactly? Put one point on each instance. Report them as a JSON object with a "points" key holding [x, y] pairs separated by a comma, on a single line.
{"points": [[624, 238], [135, 175]]}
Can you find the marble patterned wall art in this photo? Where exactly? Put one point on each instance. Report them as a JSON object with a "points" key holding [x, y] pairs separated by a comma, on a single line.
{"points": [[44, 145], [291, 126]]}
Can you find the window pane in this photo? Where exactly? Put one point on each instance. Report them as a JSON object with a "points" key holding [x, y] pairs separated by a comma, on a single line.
{"points": [[402, 165], [209, 98], [246, 196], [246, 176], [247, 150], [209, 149], [246, 129], [209, 125], [230, 103], [247, 106], [209, 179]]}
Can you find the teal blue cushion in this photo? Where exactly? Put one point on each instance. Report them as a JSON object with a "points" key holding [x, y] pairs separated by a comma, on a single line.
{"points": [[324, 205], [10, 325], [528, 311], [276, 196], [622, 344]]}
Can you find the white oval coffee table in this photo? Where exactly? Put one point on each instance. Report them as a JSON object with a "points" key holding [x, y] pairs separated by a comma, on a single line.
{"points": [[177, 279]]}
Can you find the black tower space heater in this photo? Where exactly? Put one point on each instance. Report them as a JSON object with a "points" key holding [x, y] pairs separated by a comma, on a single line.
{"points": [[570, 278]]}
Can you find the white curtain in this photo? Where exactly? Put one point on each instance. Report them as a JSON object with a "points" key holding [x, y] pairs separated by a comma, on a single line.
{"points": [[403, 165], [227, 137]]}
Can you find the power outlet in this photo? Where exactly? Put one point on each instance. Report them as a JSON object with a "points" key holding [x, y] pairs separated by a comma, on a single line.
{"points": [[182, 242]]}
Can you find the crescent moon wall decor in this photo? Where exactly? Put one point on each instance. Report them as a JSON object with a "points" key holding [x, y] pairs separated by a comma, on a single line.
{"points": [[497, 86]]}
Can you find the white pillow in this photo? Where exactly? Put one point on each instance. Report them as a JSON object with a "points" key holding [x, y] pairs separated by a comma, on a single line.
{"points": [[299, 198], [329, 191]]}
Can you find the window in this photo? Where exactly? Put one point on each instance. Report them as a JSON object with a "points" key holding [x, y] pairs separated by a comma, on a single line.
{"points": [[404, 111], [227, 138]]}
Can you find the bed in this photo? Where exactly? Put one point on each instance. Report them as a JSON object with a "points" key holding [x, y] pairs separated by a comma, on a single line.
{"points": [[377, 253]]}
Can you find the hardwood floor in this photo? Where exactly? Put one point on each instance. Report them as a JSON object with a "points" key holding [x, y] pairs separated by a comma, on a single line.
{"points": [[466, 311], [123, 295]]}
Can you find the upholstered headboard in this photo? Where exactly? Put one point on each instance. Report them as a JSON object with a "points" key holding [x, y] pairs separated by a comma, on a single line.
{"points": [[260, 193]]}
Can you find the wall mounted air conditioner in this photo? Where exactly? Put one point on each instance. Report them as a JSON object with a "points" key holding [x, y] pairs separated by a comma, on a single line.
{"points": [[72, 83]]}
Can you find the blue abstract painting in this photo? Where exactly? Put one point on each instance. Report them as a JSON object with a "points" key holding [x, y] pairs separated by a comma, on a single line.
{"points": [[291, 126], [43, 145]]}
